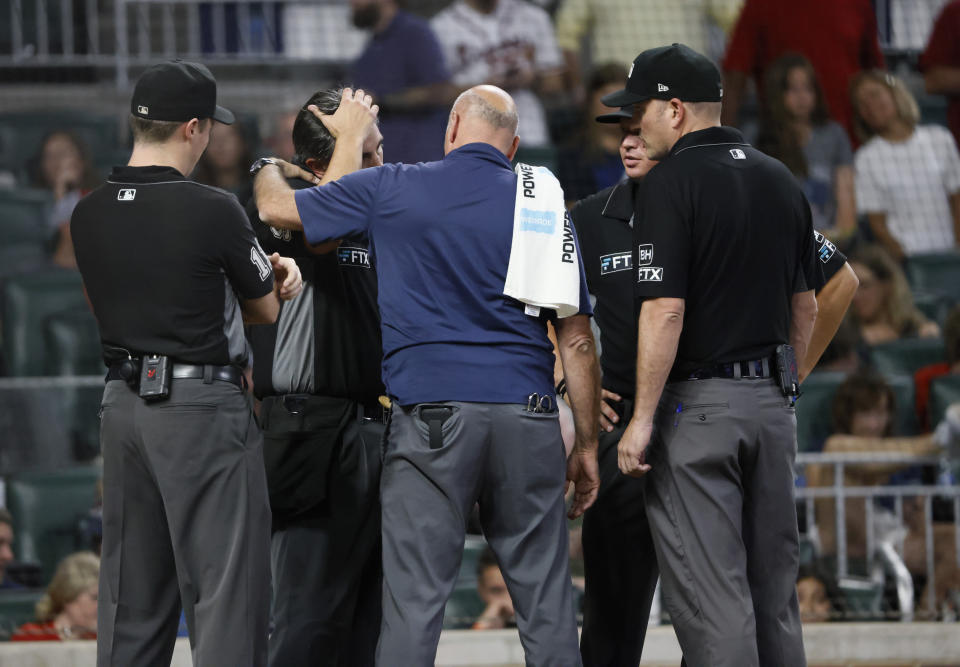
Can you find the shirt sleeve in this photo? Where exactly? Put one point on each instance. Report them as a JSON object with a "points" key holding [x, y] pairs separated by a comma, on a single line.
{"points": [[810, 271], [662, 241], [573, 19], [942, 48], [341, 208], [585, 307], [871, 195], [742, 51], [951, 160], [841, 143], [831, 258], [244, 262]]}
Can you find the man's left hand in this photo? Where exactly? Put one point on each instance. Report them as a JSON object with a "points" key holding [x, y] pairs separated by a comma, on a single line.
{"points": [[286, 273], [632, 450], [584, 472]]}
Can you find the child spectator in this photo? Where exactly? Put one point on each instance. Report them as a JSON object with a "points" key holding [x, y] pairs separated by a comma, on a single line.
{"points": [[817, 594], [907, 175], [797, 130], [493, 591], [68, 610]]}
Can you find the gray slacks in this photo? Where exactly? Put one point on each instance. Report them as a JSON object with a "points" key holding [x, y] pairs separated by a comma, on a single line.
{"points": [[721, 508], [513, 463], [186, 519], [326, 566]]}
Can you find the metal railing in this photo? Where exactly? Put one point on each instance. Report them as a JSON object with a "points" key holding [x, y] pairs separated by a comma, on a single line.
{"points": [[839, 492]]}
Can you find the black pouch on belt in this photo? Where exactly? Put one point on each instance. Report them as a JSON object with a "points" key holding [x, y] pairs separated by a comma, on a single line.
{"points": [[434, 416], [302, 437], [787, 374], [155, 377]]}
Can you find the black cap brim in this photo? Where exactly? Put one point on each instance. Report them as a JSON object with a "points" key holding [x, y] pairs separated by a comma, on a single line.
{"points": [[223, 115], [624, 113], [623, 98]]}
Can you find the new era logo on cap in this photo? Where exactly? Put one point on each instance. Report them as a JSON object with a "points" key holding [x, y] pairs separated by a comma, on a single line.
{"points": [[144, 110], [662, 88]]}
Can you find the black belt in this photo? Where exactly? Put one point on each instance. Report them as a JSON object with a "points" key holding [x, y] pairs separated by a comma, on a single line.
{"points": [[735, 370], [230, 374]]}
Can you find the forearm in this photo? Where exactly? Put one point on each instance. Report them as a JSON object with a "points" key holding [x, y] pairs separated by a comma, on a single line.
{"points": [[347, 157], [581, 371], [658, 331], [832, 303], [803, 317], [275, 201], [942, 80]]}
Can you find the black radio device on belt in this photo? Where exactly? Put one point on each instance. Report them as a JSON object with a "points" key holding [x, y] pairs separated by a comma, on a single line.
{"points": [[155, 377], [787, 375]]}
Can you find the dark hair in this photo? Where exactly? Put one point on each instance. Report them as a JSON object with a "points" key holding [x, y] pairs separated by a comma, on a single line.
{"points": [[486, 560], [861, 390], [88, 179], [838, 605], [207, 174], [6, 517], [951, 335], [605, 74], [311, 138], [777, 137]]}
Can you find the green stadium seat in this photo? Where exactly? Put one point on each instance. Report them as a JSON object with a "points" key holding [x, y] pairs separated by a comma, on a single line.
{"points": [[21, 133], [473, 546], [862, 596], [933, 306], [47, 508], [23, 215], [463, 608], [815, 407], [938, 273], [73, 343], [908, 355], [545, 156], [28, 300], [944, 392], [17, 606]]}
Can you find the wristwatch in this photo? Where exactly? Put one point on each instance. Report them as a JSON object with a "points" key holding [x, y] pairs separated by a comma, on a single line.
{"points": [[260, 163]]}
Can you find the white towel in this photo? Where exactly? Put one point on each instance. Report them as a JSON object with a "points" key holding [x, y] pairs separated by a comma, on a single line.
{"points": [[544, 268]]}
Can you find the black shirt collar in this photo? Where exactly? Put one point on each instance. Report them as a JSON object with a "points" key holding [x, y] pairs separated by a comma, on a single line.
{"points": [[621, 201], [151, 174], [708, 137]]}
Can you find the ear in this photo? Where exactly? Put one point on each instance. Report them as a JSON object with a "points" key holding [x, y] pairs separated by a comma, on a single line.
{"points": [[678, 112], [513, 148], [191, 128], [453, 127], [314, 165]]}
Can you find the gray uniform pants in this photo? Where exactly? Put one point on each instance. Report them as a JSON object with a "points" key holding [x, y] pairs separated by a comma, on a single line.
{"points": [[326, 568], [185, 519], [513, 463], [721, 508]]}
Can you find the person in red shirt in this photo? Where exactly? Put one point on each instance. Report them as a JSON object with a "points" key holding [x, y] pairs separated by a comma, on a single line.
{"points": [[68, 610], [839, 39], [940, 63]]}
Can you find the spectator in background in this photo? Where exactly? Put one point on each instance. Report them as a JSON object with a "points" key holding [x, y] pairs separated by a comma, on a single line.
{"points": [[6, 549], [68, 610], [839, 38], [907, 175], [493, 591], [505, 43], [817, 594], [940, 63], [617, 30], [63, 167], [279, 141], [402, 68], [883, 309], [592, 161], [923, 377], [226, 162], [797, 130]]}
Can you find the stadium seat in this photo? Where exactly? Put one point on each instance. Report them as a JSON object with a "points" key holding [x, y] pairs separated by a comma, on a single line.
{"points": [[933, 306], [908, 355], [473, 546], [815, 408], [463, 608], [863, 598], [17, 606], [944, 392], [47, 508], [936, 273], [28, 300], [72, 343], [23, 214]]}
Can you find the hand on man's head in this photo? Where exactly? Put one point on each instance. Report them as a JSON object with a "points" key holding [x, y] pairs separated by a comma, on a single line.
{"points": [[353, 117]]}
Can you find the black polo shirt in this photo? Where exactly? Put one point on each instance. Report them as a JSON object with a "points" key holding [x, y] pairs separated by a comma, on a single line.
{"points": [[604, 224], [325, 342], [164, 261], [728, 229]]}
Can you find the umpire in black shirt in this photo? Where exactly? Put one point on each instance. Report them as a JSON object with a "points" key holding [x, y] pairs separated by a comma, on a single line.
{"points": [[172, 268], [317, 373], [725, 268]]}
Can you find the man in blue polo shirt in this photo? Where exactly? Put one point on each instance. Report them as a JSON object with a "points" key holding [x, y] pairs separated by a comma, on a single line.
{"points": [[462, 363]]}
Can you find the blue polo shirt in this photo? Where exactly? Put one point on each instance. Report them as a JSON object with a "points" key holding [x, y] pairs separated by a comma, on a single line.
{"points": [[440, 235]]}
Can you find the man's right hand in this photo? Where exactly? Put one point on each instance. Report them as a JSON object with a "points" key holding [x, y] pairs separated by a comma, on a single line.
{"points": [[584, 471], [608, 416], [353, 117]]}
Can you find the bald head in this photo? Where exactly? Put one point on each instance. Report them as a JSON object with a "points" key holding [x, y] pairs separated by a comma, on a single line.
{"points": [[484, 114]]}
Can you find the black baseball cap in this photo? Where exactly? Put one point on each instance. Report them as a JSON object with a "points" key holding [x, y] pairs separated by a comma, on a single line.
{"points": [[178, 91], [616, 116], [667, 72]]}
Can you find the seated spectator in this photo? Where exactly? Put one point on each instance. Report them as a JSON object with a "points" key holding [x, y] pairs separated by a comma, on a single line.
{"points": [[842, 353], [883, 309], [798, 131], [226, 162], [923, 377], [591, 162], [493, 591], [507, 43], [907, 175], [6, 549], [63, 167], [68, 610], [817, 594]]}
